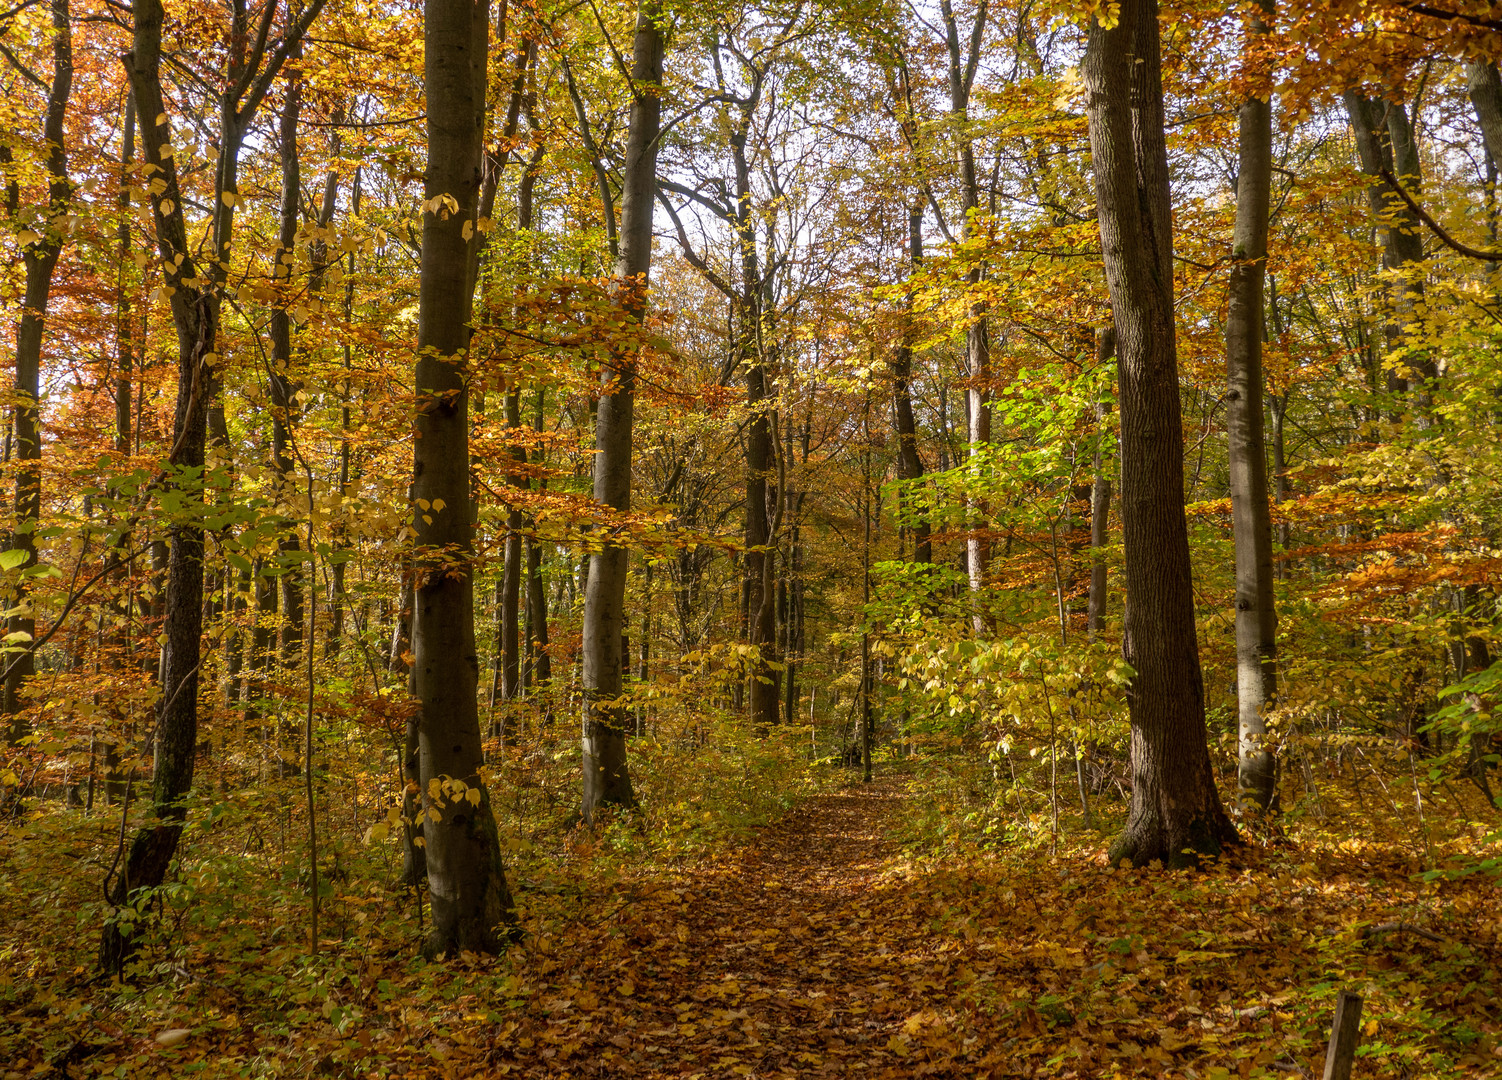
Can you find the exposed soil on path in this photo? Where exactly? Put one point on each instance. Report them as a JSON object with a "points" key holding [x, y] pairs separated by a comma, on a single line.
{"points": [[795, 957]]}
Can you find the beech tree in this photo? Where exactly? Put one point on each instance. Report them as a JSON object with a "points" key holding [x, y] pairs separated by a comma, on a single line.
{"points": [[607, 779], [40, 254], [472, 906], [1176, 813], [1256, 618]]}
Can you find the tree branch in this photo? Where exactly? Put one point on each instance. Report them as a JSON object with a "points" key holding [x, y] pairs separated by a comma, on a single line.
{"points": [[1434, 226]]}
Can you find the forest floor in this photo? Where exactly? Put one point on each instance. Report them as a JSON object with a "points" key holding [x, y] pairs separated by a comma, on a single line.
{"points": [[827, 945]]}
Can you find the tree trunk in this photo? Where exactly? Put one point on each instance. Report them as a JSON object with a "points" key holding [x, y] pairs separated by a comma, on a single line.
{"points": [[1385, 142], [195, 300], [1175, 806], [962, 68], [1485, 86], [40, 258], [1100, 499], [1251, 517], [511, 574], [537, 596], [283, 387], [910, 464], [471, 903], [607, 780]]}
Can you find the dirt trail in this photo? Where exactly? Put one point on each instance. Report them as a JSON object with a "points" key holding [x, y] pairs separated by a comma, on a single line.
{"points": [[796, 957]]}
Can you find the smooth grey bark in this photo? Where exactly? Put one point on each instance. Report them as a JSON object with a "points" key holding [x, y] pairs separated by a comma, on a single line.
{"points": [[607, 779], [1100, 499], [1485, 87], [40, 259], [1251, 516], [471, 903], [197, 280], [1175, 807], [909, 462]]}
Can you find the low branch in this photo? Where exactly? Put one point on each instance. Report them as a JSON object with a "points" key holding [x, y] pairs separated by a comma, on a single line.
{"points": [[1398, 927], [1434, 226]]}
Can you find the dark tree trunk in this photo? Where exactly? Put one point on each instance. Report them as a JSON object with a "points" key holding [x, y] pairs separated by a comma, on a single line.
{"points": [[40, 259], [1385, 143], [511, 574], [1100, 499], [471, 903], [1175, 806], [283, 386], [1251, 515], [910, 464], [537, 596], [607, 780]]}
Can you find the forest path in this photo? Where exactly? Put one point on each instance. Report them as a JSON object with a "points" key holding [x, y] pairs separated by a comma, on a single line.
{"points": [[801, 954]]}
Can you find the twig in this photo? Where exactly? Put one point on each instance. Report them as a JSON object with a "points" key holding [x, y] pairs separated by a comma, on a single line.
{"points": [[1399, 927]]}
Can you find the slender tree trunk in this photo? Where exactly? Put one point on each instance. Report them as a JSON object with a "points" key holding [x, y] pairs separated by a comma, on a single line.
{"points": [[40, 259], [1175, 806], [1100, 499], [1251, 516], [283, 386], [114, 784], [537, 596], [607, 780], [195, 301], [471, 903], [963, 61], [1385, 142], [511, 574], [910, 464]]}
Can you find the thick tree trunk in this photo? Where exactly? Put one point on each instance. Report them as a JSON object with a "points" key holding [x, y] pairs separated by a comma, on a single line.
{"points": [[1251, 516], [40, 258], [1175, 806], [1485, 86], [607, 780], [471, 903]]}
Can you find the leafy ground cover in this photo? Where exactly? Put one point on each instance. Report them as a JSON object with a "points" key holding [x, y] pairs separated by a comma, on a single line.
{"points": [[871, 930]]}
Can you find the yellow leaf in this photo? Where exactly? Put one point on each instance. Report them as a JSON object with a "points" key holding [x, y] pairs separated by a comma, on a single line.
{"points": [[439, 504], [468, 230], [626, 988], [173, 1036], [229, 198]]}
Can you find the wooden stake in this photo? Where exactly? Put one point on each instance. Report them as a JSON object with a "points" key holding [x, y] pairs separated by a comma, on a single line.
{"points": [[1345, 1033]]}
